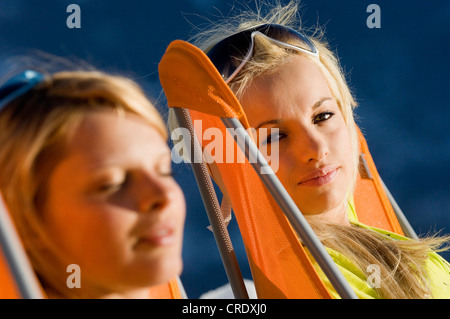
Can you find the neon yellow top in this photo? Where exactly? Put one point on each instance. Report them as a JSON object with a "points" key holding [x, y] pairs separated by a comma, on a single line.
{"points": [[438, 271]]}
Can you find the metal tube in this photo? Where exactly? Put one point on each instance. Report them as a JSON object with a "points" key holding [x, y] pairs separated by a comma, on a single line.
{"points": [[16, 258], [404, 223]]}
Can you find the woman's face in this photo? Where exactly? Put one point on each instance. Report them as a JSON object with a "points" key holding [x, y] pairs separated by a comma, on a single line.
{"points": [[315, 155], [113, 206]]}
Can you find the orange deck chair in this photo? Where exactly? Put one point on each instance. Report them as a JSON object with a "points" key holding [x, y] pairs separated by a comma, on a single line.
{"points": [[279, 264]]}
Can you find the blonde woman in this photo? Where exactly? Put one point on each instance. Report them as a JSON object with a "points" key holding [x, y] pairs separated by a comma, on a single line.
{"points": [[288, 81], [85, 172]]}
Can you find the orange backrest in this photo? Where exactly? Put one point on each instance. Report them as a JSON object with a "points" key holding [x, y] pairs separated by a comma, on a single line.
{"points": [[8, 288], [170, 290]]}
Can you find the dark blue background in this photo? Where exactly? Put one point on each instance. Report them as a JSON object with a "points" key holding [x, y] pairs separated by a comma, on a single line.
{"points": [[399, 73]]}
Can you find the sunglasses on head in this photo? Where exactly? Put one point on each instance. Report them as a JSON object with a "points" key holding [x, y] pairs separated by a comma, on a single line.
{"points": [[18, 85], [240, 46]]}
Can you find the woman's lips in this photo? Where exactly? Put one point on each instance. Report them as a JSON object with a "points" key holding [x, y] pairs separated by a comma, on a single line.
{"points": [[320, 177], [161, 236]]}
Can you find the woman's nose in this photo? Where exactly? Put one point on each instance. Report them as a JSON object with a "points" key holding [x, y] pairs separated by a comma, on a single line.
{"points": [[311, 147], [154, 194]]}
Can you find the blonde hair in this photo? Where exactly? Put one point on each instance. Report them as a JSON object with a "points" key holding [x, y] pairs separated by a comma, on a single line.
{"points": [[402, 263], [34, 131]]}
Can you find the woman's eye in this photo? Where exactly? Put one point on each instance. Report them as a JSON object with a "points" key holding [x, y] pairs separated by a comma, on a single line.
{"points": [[322, 117], [166, 173], [112, 187], [274, 137], [164, 168]]}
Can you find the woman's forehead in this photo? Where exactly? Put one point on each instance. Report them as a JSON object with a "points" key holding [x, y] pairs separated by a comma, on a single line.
{"points": [[297, 83], [104, 136]]}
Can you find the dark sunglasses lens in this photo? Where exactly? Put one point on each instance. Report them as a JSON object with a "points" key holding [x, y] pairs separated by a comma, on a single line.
{"points": [[229, 53], [289, 36], [226, 54], [18, 85], [7, 90]]}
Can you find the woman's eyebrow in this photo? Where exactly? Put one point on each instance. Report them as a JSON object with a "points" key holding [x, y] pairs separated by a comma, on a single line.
{"points": [[315, 106], [275, 121], [319, 102], [163, 155]]}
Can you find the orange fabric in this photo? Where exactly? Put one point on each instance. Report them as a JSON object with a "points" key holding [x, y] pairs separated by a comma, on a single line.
{"points": [[8, 289], [279, 264], [168, 290], [191, 81]]}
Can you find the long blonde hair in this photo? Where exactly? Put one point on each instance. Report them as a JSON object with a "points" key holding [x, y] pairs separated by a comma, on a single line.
{"points": [[402, 263], [33, 135]]}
